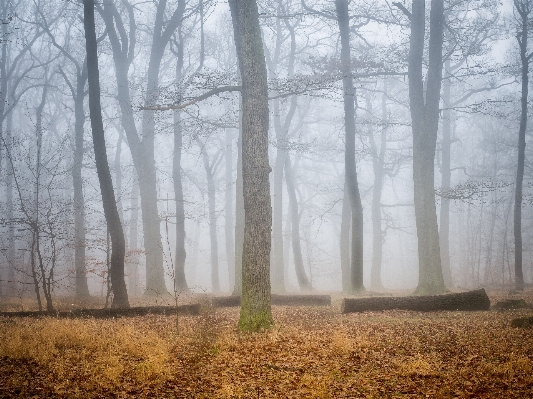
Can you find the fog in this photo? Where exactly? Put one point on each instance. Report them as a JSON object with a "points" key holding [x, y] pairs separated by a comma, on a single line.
{"points": [[161, 128]]}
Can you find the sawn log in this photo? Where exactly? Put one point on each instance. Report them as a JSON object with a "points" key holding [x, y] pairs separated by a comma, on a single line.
{"points": [[471, 300]]}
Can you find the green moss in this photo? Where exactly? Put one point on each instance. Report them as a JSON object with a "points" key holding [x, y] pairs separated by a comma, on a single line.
{"points": [[257, 321]]}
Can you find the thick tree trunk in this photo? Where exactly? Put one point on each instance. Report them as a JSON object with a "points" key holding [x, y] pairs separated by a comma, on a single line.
{"points": [[523, 9], [425, 117], [255, 309], [356, 272], [444, 231], [465, 301], [120, 293], [301, 276]]}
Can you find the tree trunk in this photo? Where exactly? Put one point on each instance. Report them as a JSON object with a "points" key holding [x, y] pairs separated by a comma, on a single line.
{"points": [[444, 232], [210, 173], [278, 277], [180, 282], [303, 280], [120, 293], [345, 241], [356, 272], [523, 9], [82, 288], [255, 311], [229, 230], [425, 118], [133, 261], [378, 165], [11, 246]]}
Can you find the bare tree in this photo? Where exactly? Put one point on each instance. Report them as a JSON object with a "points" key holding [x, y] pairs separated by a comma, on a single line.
{"points": [[255, 304], [114, 225], [524, 8], [424, 107]]}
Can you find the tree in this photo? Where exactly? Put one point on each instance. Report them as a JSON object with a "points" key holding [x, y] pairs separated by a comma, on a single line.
{"points": [[255, 311], [114, 225], [524, 8], [424, 108], [77, 90], [143, 148], [350, 169]]}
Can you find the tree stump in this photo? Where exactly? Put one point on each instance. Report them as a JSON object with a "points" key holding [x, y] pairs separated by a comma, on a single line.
{"points": [[471, 300]]}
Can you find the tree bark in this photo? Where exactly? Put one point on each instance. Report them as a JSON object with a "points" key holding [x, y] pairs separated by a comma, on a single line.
{"points": [[255, 311], [523, 8], [356, 265], [120, 294], [425, 117]]}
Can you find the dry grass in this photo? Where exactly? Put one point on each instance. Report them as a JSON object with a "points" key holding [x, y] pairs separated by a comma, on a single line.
{"points": [[310, 353]]}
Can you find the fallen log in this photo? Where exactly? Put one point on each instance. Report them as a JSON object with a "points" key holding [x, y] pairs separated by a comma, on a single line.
{"points": [[192, 309], [277, 300], [510, 304], [522, 322], [471, 300]]}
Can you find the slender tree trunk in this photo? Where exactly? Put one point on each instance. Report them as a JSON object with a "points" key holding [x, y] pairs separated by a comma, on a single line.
{"points": [[11, 246], [82, 288], [378, 165], [523, 9], [444, 232], [277, 277], [210, 173], [356, 272], [180, 282], [120, 293], [133, 264], [425, 118], [255, 304], [228, 227], [303, 280]]}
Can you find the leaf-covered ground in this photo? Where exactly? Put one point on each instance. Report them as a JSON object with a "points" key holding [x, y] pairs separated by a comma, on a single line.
{"points": [[309, 353]]}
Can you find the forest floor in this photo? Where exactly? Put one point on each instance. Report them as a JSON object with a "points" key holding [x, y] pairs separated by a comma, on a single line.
{"points": [[311, 352]]}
